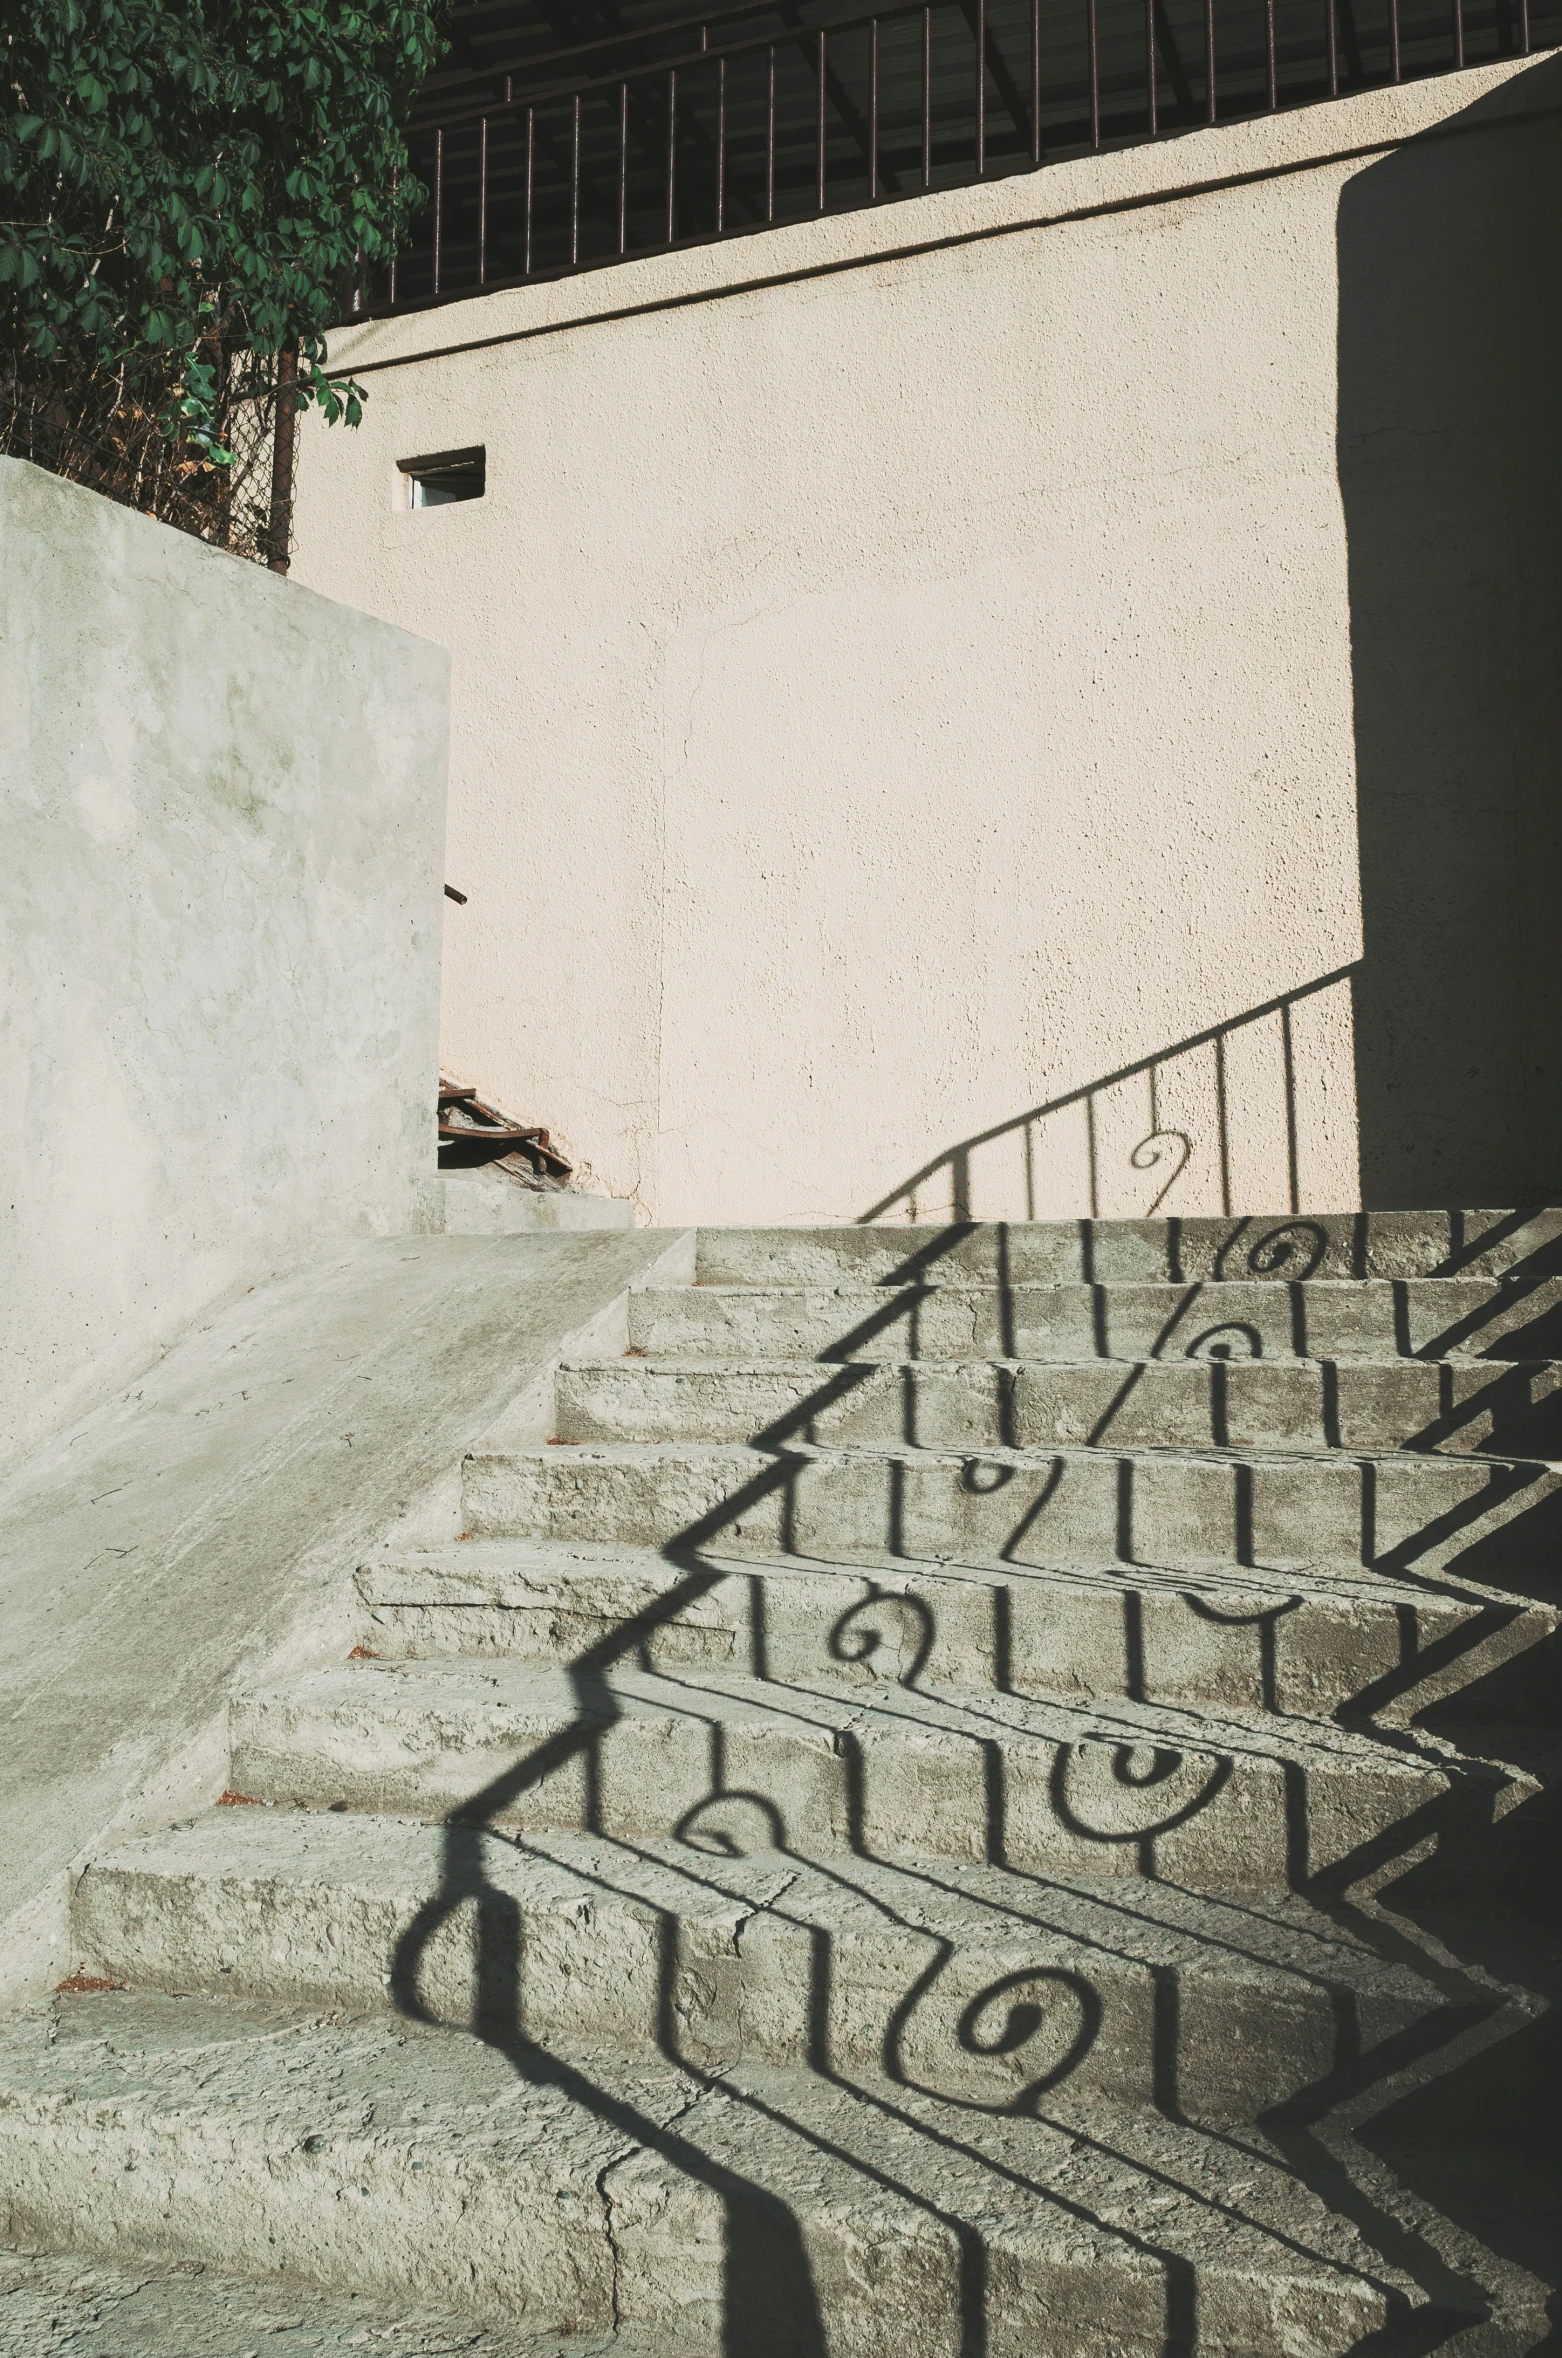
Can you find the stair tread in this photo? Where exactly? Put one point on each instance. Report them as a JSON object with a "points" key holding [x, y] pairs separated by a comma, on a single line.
{"points": [[1073, 1919], [746, 1455], [935, 1279], [757, 1363], [1355, 1244], [67, 2305], [490, 1688], [485, 1571], [455, 2168]]}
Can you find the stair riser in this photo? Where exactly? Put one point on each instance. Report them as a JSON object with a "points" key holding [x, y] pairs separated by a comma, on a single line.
{"points": [[1448, 1407], [1377, 1320], [1421, 1513], [128, 2181], [1222, 2045], [890, 1788], [1093, 1640], [1067, 1252]]}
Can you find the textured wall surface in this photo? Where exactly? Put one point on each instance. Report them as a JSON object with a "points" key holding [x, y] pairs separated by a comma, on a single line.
{"points": [[911, 666], [221, 838]]}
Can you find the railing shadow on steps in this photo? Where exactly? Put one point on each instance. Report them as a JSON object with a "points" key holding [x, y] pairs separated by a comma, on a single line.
{"points": [[1231, 1111], [770, 2303]]}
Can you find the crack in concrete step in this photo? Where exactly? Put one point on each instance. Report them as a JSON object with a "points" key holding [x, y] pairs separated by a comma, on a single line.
{"points": [[715, 1958], [442, 2168]]}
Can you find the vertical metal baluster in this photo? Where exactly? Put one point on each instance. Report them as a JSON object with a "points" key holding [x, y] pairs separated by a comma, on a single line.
{"points": [[531, 182], [873, 110], [1288, 1048], [1269, 42], [574, 188], [623, 167], [482, 202], [1209, 61], [819, 142], [1458, 32], [1035, 98], [770, 140], [1151, 94], [721, 145], [672, 154], [927, 94], [439, 205], [1222, 1123], [1393, 35], [1523, 29], [1095, 73], [1332, 44], [981, 87]]}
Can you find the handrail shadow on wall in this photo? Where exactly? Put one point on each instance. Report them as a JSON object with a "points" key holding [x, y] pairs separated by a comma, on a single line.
{"points": [[1203, 1125]]}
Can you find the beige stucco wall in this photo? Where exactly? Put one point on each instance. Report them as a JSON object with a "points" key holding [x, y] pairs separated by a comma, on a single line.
{"points": [[911, 665]]}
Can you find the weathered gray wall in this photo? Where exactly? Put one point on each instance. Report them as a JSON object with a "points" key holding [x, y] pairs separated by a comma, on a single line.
{"points": [[222, 818]]}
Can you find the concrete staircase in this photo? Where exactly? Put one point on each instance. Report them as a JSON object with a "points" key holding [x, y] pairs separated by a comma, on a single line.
{"points": [[920, 1826]]}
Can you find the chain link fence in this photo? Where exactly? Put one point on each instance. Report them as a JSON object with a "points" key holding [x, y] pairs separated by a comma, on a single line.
{"points": [[86, 421]]}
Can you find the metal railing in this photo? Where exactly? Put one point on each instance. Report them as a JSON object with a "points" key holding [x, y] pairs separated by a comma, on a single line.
{"points": [[709, 127], [1222, 1121]]}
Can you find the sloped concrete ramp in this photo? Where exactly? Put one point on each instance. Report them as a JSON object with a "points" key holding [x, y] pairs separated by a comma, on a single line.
{"points": [[193, 1529]]}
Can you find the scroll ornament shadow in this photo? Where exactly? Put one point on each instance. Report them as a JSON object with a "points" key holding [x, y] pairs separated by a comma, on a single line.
{"points": [[1002, 2048]]}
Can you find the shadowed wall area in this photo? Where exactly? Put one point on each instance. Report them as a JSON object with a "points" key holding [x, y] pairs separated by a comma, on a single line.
{"points": [[1451, 475]]}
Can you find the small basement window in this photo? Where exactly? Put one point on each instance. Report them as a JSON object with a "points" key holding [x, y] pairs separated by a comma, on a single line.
{"points": [[445, 475]]}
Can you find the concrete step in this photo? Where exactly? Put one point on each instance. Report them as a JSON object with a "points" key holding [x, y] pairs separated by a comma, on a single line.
{"points": [[1181, 2002], [1280, 1245], [1427, 1318], [478, 1203], [766, 2212], [1492, 1520], [832, 1766], [1227, 1637], [1460, 1408]]}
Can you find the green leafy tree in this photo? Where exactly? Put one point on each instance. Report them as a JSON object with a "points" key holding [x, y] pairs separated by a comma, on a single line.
{"points": [[187, 188]]}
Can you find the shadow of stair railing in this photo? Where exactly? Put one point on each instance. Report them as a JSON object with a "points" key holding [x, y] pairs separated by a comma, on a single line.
{"points": [[1232, 1112], [770, 2303]]}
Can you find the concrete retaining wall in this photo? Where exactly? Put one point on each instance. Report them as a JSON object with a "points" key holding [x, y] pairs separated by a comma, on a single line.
{"points": [[221, 846], [912, 666]]}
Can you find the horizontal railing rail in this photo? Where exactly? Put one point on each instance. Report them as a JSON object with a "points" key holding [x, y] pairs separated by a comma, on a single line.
{"points": [[715, 125]]}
